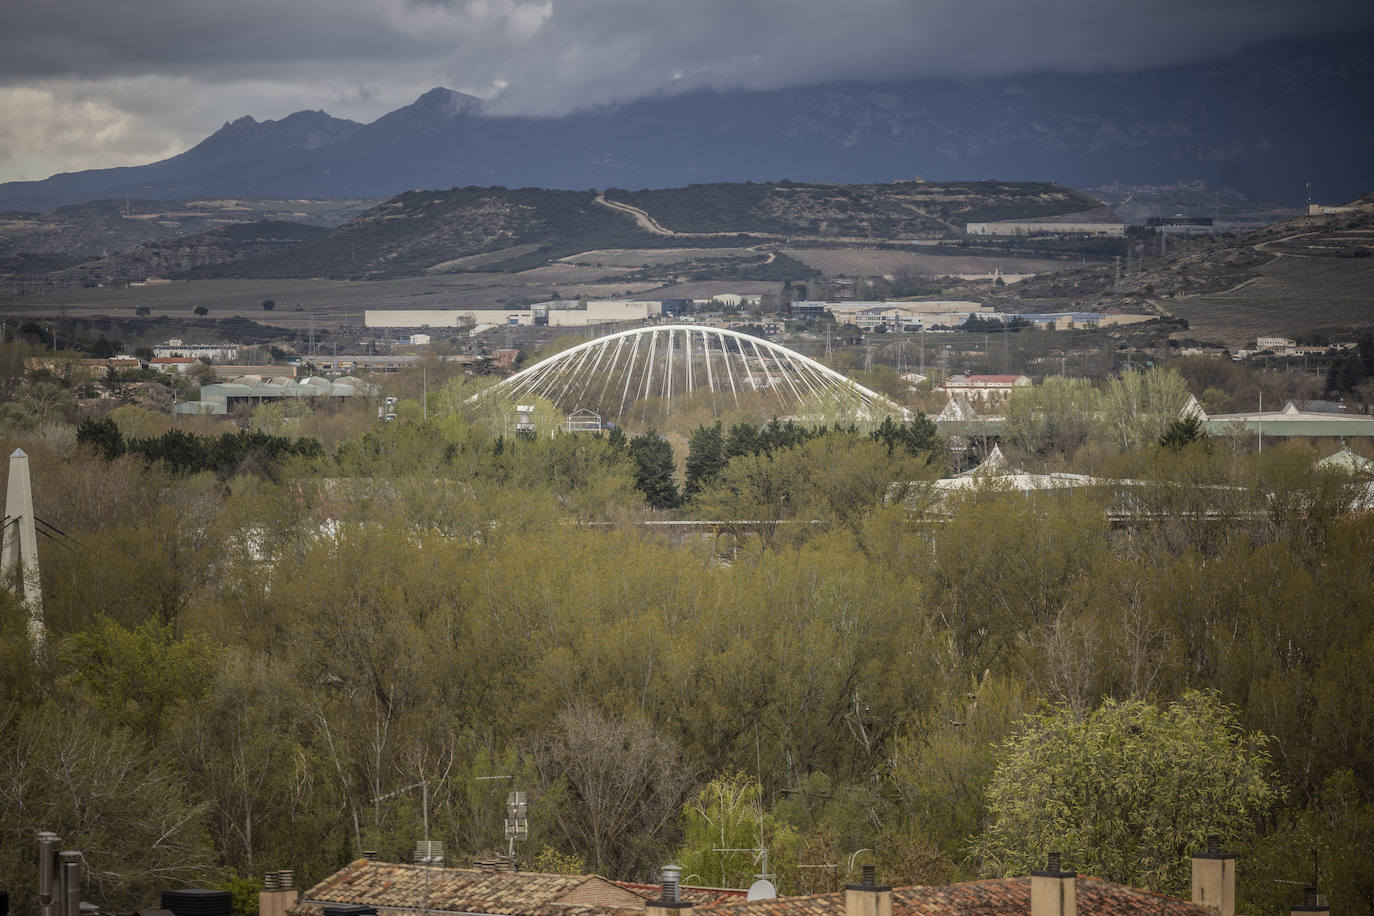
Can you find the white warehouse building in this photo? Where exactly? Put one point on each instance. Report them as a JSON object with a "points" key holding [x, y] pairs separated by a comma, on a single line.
{"points": [[557, 314]]}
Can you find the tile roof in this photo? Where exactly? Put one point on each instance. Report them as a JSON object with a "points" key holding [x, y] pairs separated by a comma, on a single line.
{"points": [[393, 886], [993, 897], [697, 896], [397, 889]]}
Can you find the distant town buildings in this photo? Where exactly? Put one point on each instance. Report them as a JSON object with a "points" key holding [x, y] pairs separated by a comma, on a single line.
{"points": [[223, 352], [556, 313], [219, 398], [874, 313], [983, 389]]}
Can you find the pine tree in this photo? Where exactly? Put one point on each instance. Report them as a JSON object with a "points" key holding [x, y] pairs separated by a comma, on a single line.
{"points": [[705, 458], [653, 458]]}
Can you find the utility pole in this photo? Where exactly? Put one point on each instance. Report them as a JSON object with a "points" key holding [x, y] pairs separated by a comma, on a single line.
{"points": [[923, 347]]}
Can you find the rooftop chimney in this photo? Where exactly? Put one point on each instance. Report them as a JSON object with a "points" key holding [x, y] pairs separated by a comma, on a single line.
{"points": [[668, 903], [1313, 904], [1053, 890], [49, 881], [868, 898], [429, 852], [277, 894], [1214, 878]]}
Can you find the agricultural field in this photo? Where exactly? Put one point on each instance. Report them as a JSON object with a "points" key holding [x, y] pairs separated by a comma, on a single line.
{"points": [[1290, 295], [874, 262], [323, 303]]}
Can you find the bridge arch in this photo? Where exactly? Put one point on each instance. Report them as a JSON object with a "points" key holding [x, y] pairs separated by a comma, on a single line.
{"points": [[682, 362]]}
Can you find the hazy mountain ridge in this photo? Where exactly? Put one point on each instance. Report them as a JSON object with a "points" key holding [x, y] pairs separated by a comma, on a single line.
{"points": [[1263, 122]]}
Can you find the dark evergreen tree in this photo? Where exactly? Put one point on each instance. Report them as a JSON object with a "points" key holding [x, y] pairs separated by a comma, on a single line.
{"points": [[1182, 432], [743, 439], [653, 458], [705, 458], [103, 435], [918, 435]]}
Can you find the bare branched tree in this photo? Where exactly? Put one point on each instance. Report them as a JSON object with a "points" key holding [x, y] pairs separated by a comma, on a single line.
{"points": [[624, 783]]}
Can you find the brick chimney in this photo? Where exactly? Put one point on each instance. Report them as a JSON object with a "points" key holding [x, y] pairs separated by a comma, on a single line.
{"points": [[868, 898], [1053, 890], [1312, 903], [278, 893], [668, 903], [1214, 879]]}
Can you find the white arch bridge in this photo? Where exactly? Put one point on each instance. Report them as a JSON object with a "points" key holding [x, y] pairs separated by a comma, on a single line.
{"points": [[659, 367]]}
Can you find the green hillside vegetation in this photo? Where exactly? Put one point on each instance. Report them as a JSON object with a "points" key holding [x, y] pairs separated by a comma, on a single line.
{"points": [[252, 637]]}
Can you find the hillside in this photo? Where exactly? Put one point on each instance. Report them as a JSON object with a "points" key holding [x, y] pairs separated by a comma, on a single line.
{"points": [[1298, 275], [902, 210], [174, 257], [495, 229], [1246, 122], [412, 233], [105, 227]]}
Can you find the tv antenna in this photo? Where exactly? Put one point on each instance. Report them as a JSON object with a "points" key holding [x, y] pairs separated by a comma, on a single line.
{"points": [[763, 887], [517, 817]]}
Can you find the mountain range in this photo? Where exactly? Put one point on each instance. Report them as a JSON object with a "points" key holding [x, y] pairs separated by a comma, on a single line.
{"points": [[1265, 122]]}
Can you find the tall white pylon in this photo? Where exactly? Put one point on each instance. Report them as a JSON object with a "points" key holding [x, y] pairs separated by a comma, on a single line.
{"points": [[19, 554]]}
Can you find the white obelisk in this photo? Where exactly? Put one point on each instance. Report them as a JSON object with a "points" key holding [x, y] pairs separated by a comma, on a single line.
{"points": [[19, 554]]}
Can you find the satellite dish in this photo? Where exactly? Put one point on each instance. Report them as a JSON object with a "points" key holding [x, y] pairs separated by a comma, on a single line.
{"points": [[762, 889]]}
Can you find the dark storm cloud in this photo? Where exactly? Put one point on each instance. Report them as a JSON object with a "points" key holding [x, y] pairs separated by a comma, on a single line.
{"points": [[139, 77]]}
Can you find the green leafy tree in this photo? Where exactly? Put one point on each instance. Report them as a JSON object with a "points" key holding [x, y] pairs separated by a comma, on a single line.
{"points": [[1058, 415], [137, 678], [1127, 792], [653, 457], [725, 815], [1137, 406]]}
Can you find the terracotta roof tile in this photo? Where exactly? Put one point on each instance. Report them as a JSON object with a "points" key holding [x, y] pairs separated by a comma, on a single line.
{"points": [[993, 897], [698, 896], [464, 890], [399, 889]]}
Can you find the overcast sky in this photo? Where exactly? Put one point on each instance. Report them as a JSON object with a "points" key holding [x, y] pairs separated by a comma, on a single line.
{"points": [[95, 83]]}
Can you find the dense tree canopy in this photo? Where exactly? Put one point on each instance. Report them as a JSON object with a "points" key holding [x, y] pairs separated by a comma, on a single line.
{"points": [[1127, 791], [285, 635]]}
